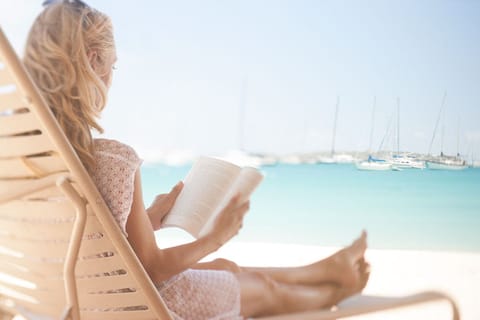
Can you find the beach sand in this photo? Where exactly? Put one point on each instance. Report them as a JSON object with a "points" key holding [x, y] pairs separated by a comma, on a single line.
{"points": [[393, 272]]}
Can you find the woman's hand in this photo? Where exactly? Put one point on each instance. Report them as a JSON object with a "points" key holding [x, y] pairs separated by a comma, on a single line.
{"points": [[162, 205], [228, 223]]}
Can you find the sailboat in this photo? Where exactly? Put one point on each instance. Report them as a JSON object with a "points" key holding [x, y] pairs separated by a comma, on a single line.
{"points": [[445, 162], [398, 160], [240, 155], [331, 159], [373, 164]]}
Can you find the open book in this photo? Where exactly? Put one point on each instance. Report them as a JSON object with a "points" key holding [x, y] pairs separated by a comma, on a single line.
{"points": [[208, 187]]}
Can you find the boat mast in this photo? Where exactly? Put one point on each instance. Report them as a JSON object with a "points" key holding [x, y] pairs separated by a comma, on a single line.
{"points": [[437, 122], [241, 114], [335, 126], [458, 137], [386, 137], [398, 125], [443, 136], [373, 124]]}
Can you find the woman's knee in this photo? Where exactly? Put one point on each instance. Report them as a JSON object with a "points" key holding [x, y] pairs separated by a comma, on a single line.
{"points": [[260, 294]]}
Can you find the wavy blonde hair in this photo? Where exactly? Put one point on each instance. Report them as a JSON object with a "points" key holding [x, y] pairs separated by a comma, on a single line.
{"points": [[56, 56]]}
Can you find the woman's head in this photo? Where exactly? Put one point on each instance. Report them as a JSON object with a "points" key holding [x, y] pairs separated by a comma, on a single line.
{"points": [[70, 53]]}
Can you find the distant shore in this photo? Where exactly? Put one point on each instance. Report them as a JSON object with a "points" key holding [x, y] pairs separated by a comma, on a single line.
{"points": [[185, 157]]}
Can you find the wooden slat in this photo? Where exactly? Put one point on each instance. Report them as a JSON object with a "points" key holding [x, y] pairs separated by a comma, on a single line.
{"points": [[38, 249], [24, 145], [45, 270], [18, 274], [58, 230], [24, 297], [40, 265], [92, 314], [7, 266], [117, 315], [5, 78], [111, 300], [16, 168], [52, 311], [18, 123], [94, 246], [52, 192], [46, 249], [106, 283], [42, 296], [49, 300], [99, 265], [85, 284], [11, 101], [84, 267], [89, 284], [87, 301], [37, 210]]}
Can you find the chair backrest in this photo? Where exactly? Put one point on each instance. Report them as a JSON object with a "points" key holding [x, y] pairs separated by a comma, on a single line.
{"points": [[61, 252]]}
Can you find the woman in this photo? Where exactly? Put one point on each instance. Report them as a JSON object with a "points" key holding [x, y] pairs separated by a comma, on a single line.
{"points": [[70, 53]]}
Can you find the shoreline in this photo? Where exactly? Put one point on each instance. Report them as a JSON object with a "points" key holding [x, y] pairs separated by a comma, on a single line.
{"points": [[393, 272]]}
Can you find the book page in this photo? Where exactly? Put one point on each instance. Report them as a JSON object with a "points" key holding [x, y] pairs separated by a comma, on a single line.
{"points": [[205, 186], [245, 184]]}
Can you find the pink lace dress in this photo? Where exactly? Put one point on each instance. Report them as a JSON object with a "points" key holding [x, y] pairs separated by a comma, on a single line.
{"points": [[192, 294]]}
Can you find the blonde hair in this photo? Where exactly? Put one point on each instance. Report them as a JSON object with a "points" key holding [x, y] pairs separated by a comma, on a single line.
{"points": [[56, 56]]}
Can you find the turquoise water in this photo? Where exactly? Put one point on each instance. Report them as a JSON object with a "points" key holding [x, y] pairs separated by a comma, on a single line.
{"points": [[329, 204]]}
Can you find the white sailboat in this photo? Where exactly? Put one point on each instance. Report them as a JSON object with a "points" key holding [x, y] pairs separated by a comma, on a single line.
{"points": [[406, 162], [444, 162], [447, 163], [400, 160], [373, 164]]}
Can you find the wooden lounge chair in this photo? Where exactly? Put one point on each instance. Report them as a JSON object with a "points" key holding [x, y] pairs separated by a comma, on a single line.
{"points": [[62, 255]]}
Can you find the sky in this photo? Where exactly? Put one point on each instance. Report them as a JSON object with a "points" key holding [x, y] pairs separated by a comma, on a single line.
{"points": [[206, 77]]}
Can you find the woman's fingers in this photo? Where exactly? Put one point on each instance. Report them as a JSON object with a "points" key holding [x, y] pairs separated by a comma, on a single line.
{"points": [[230, 220], [172, 196]]}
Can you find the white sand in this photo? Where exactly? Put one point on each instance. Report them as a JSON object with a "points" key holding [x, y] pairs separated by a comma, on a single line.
{"points": [[393, 272]]}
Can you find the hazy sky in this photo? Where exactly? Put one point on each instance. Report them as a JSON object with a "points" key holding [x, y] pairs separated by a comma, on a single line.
{"points": [[183, 64]]}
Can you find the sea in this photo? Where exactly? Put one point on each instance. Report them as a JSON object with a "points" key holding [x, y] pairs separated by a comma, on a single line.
{"points": [[329, 205]]}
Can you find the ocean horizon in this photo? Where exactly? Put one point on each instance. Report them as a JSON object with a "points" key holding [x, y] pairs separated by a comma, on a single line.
{"points": [[329, 205]]}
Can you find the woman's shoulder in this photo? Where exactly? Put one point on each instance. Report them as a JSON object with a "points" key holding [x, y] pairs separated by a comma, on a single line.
{"points": [[115, 149]]}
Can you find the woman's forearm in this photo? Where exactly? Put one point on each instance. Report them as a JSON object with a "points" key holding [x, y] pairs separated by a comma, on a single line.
{"points": [[171, 261]]}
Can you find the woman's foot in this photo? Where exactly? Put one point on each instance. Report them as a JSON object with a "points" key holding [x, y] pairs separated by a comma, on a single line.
{"points": [[343, 267], [362, 279], [345, 264]]}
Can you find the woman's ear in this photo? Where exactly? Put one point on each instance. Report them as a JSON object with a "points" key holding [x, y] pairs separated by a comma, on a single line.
{"points": [[93, 59]]}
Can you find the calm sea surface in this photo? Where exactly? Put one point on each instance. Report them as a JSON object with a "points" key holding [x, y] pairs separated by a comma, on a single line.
{"points": [[329, 205]]}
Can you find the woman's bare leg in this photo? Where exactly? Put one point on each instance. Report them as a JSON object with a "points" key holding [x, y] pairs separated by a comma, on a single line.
{"points": [[340, 268], [261, 295]]}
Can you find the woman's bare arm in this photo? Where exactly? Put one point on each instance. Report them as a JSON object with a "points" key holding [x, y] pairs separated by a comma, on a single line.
{"points": [[161, 264]]}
